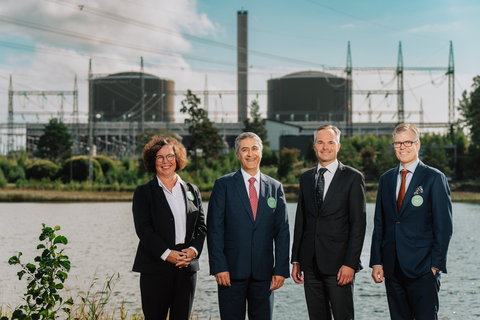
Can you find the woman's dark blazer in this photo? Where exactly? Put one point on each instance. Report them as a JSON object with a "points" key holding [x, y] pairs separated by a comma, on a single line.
{"points": [[155, 227]]}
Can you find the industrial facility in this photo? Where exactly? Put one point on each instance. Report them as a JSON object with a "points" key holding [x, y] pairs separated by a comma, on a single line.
{"points": [[307, 96], [118, 96]]}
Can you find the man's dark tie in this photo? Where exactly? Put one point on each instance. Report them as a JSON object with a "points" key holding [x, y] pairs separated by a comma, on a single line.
{"points": [[401, 193], [319, 190]]}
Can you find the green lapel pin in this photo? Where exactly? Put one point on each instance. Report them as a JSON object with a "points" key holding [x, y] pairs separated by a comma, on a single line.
{"points": [[272, 203], [417, 200]]}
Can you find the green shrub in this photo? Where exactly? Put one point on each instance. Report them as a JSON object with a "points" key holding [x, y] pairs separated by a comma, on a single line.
{"points": [[80, 169], [22, 158], [269, 158], [40, 169], [128, 164], [3, 182], [115, 186], [106, 163], [141, 167], [5, 165], [130, 177], [22, 184], [48, 184], [286, 162], [15, 173]]}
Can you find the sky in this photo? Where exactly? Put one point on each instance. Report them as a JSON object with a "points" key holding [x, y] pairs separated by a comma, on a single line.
{"points": [[45, 43]]}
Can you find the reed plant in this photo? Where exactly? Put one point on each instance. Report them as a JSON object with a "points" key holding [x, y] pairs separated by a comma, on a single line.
{"points": [[97, 305]]}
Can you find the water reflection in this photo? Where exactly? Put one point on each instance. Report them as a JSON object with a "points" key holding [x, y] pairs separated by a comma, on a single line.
{"points": [[102, 241]]}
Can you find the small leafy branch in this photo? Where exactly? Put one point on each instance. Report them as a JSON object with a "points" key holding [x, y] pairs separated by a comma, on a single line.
{"points": [[45, 279]]}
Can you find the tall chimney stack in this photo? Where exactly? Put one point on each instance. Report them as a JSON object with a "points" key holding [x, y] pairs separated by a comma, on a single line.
{"points": [[242, 64]]}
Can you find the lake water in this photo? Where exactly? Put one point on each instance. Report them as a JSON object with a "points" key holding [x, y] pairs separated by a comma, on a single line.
{"points": [[102, 241]]}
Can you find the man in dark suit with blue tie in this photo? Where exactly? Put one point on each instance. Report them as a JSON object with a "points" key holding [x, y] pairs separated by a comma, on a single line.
{"points": [[412, 230], [329, 230], [248, 236]]}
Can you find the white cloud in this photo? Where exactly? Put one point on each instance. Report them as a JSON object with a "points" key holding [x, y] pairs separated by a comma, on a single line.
{"points": [[38, 70]]}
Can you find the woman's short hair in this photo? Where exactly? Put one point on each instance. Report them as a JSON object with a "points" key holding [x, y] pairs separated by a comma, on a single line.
{"points": [[156, 143]]}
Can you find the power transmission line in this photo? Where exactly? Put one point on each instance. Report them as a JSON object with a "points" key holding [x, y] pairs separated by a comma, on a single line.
{"points": [[369, 21], [108, 41], [143, 24]]}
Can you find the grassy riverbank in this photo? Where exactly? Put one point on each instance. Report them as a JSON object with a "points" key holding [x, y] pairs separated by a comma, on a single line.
{"points": [[28, 195]]}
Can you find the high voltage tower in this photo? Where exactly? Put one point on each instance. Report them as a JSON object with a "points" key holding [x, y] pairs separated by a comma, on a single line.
{"points": [[44, 94], [348, 91]]}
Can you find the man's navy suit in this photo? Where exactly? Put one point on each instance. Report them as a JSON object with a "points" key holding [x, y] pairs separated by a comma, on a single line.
{"points": [[415, 240], [247, 248]]}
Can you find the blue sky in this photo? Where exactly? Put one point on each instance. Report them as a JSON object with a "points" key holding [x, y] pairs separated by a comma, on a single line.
{"points": [[175, 39]]}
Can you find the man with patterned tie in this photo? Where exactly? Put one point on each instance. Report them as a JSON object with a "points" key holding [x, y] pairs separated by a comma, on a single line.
{"points": [[412, 230], [329, 230], [248, 236]]}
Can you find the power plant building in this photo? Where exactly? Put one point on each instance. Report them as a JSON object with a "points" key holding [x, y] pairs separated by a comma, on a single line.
{"points": [[307, 96], [118, 97]]}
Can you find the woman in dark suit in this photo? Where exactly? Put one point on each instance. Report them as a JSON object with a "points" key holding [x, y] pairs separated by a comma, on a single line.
{"points": [[170, 224]]}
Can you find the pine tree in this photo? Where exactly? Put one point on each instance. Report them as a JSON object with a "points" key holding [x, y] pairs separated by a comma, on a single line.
{"points": [[55, 143], [204, 134], [256, 124]]}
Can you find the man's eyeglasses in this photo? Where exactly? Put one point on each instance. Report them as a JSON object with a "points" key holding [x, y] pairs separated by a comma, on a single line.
{"points": [[169, 157], [398, 144]]}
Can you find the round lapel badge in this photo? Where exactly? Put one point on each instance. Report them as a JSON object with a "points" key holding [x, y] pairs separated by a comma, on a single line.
{"points": [[190, 196], [417, 200], [271, 202]]}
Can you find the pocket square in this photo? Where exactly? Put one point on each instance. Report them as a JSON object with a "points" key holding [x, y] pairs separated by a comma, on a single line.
{"points": [[418, 191]]}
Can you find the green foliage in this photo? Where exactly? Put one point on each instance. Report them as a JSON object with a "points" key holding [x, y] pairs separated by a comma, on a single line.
{"points": [[287, 159], [42, 169], [45, 277], [128, 164], [121, 175], [311, 155], [256, 124], [385, 160], [204, 134], [22, 158], [349, 154], [55, 143], [15, 173], [106, 163], [269, 158], [370, 171], [80, 169], [11, 170], [470, 112], [141, 171], [434, 154], [146, 136], [3, 181], [5, 165], [460, 140]]}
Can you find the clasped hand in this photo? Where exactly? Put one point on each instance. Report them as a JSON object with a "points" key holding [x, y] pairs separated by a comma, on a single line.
{"points": [[181, 259]]}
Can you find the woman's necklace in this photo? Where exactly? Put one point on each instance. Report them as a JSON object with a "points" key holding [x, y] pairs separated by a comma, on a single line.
{"points": [[170, 184]]}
